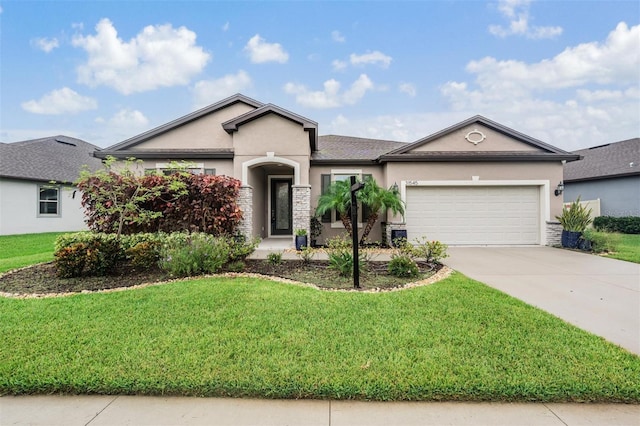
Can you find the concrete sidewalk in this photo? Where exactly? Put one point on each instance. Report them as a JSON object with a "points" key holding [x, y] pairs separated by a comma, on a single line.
{"points": [[137, 410], [598, 294]]}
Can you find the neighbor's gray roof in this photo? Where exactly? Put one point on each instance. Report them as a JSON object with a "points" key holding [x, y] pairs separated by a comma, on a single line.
{"points": [[605, 161], [333, 148], [55, 158]]}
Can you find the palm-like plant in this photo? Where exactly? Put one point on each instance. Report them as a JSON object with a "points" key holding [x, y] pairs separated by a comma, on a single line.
{"points": [[338, 198], [378, 199]]}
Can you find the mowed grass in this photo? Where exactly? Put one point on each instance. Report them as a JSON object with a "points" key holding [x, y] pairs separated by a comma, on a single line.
{"points": [[17, 251], [627, 248], [454, 340]]}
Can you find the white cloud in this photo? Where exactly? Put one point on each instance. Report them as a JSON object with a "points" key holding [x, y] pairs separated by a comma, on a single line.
{"points": [[408, 88], [225, 27], [338, 65], [374, 57], [600, 101], [517, 12], [45, 44], [330, 96], [159, 56], [128, 118], [260, 51], [61, 101], [208, 91], [337, 37]]}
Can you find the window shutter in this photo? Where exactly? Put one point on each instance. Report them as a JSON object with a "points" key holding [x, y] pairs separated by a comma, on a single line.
{"points": [[366, 212], [325, 182]]}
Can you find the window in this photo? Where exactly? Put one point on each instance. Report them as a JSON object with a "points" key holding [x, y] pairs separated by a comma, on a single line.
{"points": [[341, 175], [48, 200], [196, 169]]}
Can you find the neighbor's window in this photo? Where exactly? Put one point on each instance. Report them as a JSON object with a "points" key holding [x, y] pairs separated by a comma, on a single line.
{"points": [[48, 200]]}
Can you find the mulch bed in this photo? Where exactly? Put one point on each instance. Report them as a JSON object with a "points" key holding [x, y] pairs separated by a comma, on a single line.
{"points": [[42, 279]]}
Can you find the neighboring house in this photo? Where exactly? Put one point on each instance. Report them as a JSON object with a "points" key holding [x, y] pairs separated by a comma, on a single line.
{"points": [[36, 191], [610, 173], [477, 182]]}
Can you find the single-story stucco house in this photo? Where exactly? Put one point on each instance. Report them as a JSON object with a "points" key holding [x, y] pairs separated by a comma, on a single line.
{"points": [[609, 173], [477, 182], [36, 184]]}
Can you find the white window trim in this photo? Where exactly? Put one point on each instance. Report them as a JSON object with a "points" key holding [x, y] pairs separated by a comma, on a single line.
{"points": [[544, 193], [58, 202], [336, 223]]}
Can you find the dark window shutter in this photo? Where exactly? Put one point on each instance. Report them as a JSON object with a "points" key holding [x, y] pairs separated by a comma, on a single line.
{"points": [[325, 182], [366, 212]]}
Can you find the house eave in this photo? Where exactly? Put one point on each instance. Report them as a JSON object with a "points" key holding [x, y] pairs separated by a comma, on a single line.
{"points": [[471, 157], [185, 154], [342, 161]]}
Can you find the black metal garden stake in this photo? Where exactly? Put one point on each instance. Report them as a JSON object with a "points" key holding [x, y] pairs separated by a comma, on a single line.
{"points": [[355, 187]]}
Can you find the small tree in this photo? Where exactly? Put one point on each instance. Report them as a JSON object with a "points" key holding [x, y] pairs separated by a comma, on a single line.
{"points": [[112, 198], [378, 200], [338, 198]]}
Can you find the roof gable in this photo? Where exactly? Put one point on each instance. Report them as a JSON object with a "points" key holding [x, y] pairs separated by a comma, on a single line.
{"points": [[478, 139], [616, 159], [136, 140], [311, 126]]}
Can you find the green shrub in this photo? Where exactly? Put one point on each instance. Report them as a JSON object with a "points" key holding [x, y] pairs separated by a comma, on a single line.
{"points": [[624, 225], [340, 253], [601, 242], [144, 255], [274, 258], [70, 261], [240, 248], [306, 254], [102, 255], [430, 251], [185, 255], [403, 266], [576, 218], [236, 266]]}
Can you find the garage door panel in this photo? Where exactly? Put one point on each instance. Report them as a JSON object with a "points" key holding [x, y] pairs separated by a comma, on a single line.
{"points": [[474, 215]]}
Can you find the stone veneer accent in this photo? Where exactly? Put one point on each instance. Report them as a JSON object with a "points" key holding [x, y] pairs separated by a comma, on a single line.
{"points": [[394, 226], [554, 233], [245, 202], [301, 195]]}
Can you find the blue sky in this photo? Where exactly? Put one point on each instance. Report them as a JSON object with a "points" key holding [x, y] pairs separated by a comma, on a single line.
{"points": [[565, 72]]}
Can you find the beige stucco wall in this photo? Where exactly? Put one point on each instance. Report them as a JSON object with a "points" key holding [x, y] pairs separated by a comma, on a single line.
{"points": [[258, 181], [465, 171], [336, 228], [495, 141], [205, 132], [272, 134]]}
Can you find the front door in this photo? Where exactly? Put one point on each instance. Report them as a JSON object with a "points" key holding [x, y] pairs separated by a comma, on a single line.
{"points": [[281, 217]]}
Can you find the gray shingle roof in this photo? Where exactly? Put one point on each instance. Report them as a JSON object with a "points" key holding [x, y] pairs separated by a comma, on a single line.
{"points": [[333, 147], [55, 158], [605, 161]]}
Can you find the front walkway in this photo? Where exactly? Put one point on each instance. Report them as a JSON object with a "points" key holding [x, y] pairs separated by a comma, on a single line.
{"points": [[142, 410], [597, 294]]}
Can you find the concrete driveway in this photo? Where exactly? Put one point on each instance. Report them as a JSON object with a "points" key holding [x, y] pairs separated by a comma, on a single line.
{"points": [[597, 294]]}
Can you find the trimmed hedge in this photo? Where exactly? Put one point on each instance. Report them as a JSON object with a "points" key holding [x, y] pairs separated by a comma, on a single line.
{"points": [[624, 225]]}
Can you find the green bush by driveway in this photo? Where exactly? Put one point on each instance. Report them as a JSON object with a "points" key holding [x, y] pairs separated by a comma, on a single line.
{"points": [[454, 340]]}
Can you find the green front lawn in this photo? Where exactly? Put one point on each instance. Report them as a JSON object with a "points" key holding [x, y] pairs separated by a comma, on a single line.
{"points": [[454, 340], [17, 251], [627, 248]]}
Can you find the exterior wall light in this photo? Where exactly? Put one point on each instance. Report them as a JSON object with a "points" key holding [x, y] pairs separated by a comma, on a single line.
{"points": [[559, 189]]}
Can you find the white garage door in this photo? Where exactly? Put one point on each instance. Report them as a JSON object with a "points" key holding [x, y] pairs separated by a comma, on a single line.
{"points": [[474, 215]]}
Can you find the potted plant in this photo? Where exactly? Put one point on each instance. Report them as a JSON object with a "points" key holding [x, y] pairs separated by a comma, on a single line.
{"points": [[301, 238], [574, 221]]}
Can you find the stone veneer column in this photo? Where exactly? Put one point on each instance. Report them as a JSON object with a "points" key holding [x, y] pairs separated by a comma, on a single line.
{"points": [[554, 233], [301, 195], [245, 202]]}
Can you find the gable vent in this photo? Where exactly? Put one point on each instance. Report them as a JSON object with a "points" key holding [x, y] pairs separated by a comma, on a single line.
{"points": [[65, 142], [599, 146]]}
